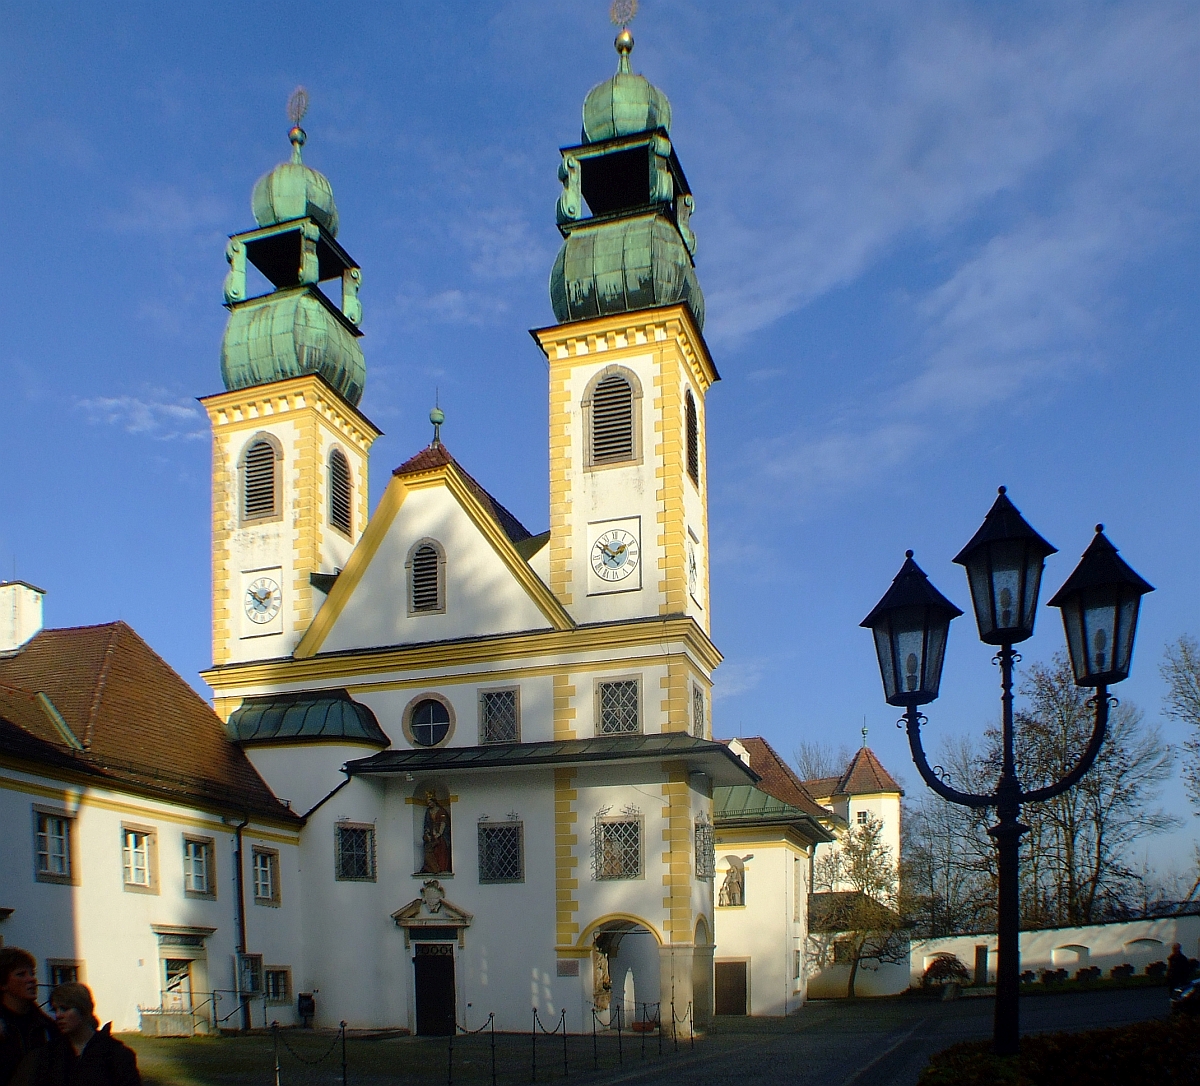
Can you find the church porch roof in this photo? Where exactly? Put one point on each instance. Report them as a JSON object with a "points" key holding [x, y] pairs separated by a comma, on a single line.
{"points": [[702, 755]]}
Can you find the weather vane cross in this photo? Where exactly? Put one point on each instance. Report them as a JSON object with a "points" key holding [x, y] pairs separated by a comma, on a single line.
{"points": [[297, 106], [622, 12]]}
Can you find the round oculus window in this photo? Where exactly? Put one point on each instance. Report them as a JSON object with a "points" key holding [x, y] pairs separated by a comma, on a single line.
{"points": [[429, 723]]}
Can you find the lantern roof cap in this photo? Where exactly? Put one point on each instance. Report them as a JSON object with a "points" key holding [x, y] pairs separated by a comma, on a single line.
{"points": [[1100, 566], [910, 588], [1003, 521]]}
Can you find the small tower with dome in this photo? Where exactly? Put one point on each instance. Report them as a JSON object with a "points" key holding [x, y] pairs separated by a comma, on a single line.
{"points": [[289, 443]]}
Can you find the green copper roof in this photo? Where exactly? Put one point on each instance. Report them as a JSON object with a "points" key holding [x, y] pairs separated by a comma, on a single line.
{"points": [[329, 715], [289, 333], [621, 266], [624, 104], [294, 191]]}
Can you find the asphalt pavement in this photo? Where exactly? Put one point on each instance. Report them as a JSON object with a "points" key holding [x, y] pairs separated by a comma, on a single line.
{"points": [[875, 1042]]}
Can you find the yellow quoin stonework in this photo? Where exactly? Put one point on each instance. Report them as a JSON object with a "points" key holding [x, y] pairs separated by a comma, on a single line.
{"points": [[307, 418]]}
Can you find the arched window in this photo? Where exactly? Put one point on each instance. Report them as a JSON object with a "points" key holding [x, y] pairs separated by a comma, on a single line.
{"points": [[426, 578], [260, 499], [693, 436], [339, 491], [612, 420]]}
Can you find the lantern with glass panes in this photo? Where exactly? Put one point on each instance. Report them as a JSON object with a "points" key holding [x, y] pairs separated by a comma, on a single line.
{"points": [[1004, 562]]}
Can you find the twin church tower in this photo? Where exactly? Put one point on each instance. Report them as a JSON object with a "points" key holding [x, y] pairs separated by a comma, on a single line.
{"points": [[628, 374]]}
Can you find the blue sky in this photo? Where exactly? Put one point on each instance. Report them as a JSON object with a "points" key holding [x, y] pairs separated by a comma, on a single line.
{"points": [[944, 246]]}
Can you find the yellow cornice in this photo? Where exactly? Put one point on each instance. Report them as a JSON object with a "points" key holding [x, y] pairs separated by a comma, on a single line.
{"points": [[248, 407], [360, 558], [542, 643], [625, 334]]}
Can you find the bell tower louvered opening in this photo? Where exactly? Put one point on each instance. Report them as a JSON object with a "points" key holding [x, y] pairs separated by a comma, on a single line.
{"points": [[258, 489], [339, 491], [612, 421], [425, 579], [692, 421]]}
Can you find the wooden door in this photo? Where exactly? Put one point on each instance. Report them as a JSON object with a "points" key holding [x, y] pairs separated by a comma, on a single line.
{"points": [[433, 966], [731, 987]]}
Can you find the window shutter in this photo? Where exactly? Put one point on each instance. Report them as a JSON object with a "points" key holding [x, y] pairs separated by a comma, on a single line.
{"points": [[693, 438], [339, 491], [259, 481], [425, 594], [612, 420]]}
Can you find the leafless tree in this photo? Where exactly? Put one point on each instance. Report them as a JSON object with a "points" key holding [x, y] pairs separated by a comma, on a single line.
{"points": [[815, 759], [861, 922], [1181, 671]]}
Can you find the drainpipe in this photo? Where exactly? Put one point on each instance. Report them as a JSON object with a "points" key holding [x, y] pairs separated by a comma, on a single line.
{"points": [[241, 911]]}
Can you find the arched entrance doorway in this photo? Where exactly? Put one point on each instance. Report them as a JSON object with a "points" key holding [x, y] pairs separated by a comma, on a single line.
{"points": [[625, 970]]}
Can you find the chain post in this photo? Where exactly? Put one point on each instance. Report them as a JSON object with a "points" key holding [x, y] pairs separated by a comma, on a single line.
{"points": [[691, 1029], [492, 1031], [533, 1049], [450, 1056], [563, 1019], [620, 1045], [595, 1053], [343, 1028], [674, 1034], [642, 1031], [275, 1041]]}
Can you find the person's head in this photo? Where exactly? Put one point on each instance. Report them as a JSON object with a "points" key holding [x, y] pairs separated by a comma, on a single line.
{"points": [[1176, 948], [18, 975], [73, 1007]]}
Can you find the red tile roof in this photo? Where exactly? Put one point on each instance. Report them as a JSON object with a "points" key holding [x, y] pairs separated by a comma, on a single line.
{"points": [[437, 456], [866, 774], [140, 725], [778, 780]]}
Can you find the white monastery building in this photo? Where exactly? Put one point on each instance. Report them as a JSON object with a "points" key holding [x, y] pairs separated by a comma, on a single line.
{"points": [[455, 766]]}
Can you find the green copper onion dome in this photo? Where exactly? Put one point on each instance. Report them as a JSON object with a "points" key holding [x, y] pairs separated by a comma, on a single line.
{"points": [[294, 191], [624, 104], [287, 334]]}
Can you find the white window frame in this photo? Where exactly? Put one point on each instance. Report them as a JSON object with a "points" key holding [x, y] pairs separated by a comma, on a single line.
{"points": [[139, 843], [271, 866], [207, 853], [42, 846]]}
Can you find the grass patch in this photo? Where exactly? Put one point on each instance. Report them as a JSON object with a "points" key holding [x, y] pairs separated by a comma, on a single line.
{"points": [[1166, 1053]]}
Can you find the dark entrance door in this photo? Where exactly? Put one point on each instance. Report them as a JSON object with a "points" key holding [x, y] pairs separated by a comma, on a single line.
{"points": [[731, 987], [433, 966]]}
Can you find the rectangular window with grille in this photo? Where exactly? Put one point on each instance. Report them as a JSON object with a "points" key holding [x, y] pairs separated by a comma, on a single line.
{"points": [[265, 867], [138, 857], [617, 707], [63, 971], [197, 866], [425, 573], [277, 984], [697, 712], [498, 716], [53, 847], [355, 853], [617, 848], [612, 420], [501, 852]]}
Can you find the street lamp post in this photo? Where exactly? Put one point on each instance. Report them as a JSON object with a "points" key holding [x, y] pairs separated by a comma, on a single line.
{"points": [[1004, 562]]}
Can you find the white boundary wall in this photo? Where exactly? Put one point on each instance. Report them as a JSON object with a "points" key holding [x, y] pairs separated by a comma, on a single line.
{"points": [[1136, 942]]}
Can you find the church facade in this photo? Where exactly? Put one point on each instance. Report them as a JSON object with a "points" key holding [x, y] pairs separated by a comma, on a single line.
{"points": [[499, 740]]}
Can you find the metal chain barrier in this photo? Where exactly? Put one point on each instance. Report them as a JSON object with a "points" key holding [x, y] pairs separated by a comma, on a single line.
{"points": [[490, 1026], [687, 1017], [537, 1025], [306, 1060]]}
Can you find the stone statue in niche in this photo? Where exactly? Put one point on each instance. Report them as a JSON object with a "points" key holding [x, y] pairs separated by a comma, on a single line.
{"points": [[435, 837], [733, 889]]}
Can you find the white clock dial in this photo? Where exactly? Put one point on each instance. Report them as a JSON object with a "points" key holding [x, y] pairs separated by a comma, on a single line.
{"points": [[263, 600], [693, 568], [615, 555]]}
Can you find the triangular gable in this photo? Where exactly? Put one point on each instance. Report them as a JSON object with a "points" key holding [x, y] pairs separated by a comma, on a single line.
{"points": [[367, 606]]}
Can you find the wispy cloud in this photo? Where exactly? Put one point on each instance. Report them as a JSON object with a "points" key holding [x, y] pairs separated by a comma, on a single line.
{"points": [[155, 415], [168, 210]]}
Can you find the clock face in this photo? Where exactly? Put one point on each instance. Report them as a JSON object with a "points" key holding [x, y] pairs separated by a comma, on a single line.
{"points": [[693, 568], [263, 600], [615, 555]]}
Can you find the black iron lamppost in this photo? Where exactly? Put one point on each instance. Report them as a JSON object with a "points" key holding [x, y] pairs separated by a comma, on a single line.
{"points": [[1004, 562]]}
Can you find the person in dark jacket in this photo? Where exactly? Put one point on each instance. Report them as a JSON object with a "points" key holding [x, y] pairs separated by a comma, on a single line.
{"points": [[24, 1028], [82, 1054], [1179, 969]]}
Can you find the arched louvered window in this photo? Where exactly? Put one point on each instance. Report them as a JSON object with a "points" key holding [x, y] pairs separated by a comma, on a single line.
{"points": [[259, 498], [426, 577], [692, 421], [339, 491], [612, 420]]}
